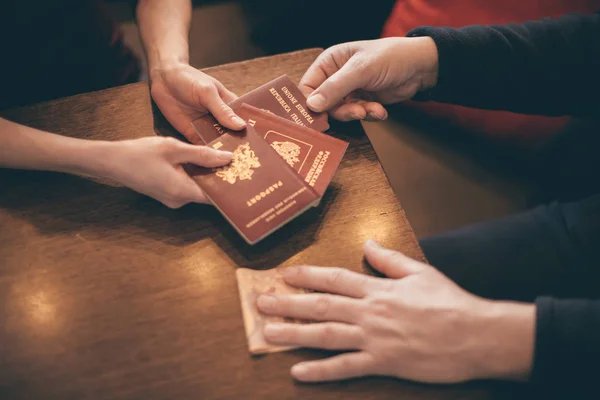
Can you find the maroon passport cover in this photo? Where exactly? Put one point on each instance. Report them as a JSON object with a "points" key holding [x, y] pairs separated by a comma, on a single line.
{"points": [[315, 156], [258, 192], [280, 96]]}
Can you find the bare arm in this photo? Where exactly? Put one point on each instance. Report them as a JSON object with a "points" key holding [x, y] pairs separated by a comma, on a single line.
{"points": [[164, 27], [158, 173], [182, 92], [22, 147]]}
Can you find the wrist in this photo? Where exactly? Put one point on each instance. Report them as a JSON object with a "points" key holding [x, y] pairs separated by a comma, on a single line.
{"points": [[508, 339], [93, 159], [161, 64], [429, 62]]}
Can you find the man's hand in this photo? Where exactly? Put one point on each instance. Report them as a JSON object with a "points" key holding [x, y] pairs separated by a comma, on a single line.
{"points": [[184, 93], [417, 325], [353, 80], [154, 167]]}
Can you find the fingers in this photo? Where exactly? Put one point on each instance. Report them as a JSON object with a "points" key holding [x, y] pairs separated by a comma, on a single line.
{"points": [[333, 280], [391, 263], [367, 110], [227, 95], [317, 307], [348, 112], [335, 88], [324, 66], [208, 95], [343, 366], [189, 192], [325, 335], [203, 156], [375, 111]]}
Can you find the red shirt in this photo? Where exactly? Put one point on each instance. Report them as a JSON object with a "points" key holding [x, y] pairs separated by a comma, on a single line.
{"points": [[409, 14]]}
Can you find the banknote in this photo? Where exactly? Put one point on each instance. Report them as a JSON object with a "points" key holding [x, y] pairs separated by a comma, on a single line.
{"points": [[251, 284]]}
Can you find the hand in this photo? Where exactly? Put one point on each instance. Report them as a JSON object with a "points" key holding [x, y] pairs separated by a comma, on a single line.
{"points": [[353, 80], [418, 325], [184, 93], [154, 166]]}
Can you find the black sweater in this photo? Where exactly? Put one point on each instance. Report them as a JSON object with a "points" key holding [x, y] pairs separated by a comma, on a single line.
{"points": [[549, 67]]}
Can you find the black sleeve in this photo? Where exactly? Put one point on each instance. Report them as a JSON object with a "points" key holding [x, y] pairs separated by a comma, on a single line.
{"points": [[567, 353], [549, 67]]}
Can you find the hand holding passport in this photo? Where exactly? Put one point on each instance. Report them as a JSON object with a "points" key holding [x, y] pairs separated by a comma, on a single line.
{"points": [[281, 165]]}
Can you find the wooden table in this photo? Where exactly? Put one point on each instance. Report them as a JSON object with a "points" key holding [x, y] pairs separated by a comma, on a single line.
{"points": [[107, 294]]}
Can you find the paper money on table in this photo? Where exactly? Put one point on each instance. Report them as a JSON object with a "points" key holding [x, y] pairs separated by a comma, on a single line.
{"points": [[251, 284]]}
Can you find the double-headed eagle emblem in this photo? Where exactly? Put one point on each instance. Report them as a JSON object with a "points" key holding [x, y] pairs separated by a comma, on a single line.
{"points": [[242, 165], [288, 150]]}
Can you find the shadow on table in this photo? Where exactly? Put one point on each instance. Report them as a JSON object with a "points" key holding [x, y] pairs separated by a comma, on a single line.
{"points": [[56, 204], [281, 245]]}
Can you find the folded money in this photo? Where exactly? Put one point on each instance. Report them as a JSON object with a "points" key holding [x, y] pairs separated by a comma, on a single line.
{"points": [[251, 284]]}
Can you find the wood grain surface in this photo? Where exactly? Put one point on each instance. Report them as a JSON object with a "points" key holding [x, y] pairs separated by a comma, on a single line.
{"points": [[107, 294]]}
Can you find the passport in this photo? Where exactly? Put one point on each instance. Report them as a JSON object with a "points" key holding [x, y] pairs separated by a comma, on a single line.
{"points": [[315, 156], [281, 97], [258, 192]]}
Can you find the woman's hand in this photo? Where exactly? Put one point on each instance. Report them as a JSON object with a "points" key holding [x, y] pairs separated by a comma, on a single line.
{"points": [[154, 166]]}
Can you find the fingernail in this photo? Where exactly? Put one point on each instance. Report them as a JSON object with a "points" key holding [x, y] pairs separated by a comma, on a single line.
{"points": [[385, 115], [266, 302], [238, 121], [299, 370], [316, 102], [372, 243], [224, 155], [272, 330], [373, 115]]}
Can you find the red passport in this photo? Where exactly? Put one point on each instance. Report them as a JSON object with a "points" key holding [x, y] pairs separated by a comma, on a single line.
{"points": [[315, 156], [258, 192], [280, 97]]}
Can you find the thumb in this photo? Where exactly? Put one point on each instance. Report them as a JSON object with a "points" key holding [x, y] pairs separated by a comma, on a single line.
{"points": [[333, 90], [391, 263], [211, 100], [203, 156]]}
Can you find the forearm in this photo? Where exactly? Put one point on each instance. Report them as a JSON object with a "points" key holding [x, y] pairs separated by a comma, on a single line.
{"points": [[542, 67], [22, 147], [164, 27]]}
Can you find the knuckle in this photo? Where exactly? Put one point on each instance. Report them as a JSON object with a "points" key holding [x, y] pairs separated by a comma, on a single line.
{"points": [[381, 307], [336, 277], [176, 195], [168, 144], [387, 285], [172, 204], [202, 90], [358, 63], [327, 336], [322, 305]]}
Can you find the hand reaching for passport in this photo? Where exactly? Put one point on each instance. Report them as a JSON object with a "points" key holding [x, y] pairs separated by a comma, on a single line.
{"points": [[184, 93], [154, 166], [354, 80], [416, 325]]}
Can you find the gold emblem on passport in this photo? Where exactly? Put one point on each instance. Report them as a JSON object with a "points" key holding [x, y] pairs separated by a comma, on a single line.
{"points": [[288, 150], [242, 165]]}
